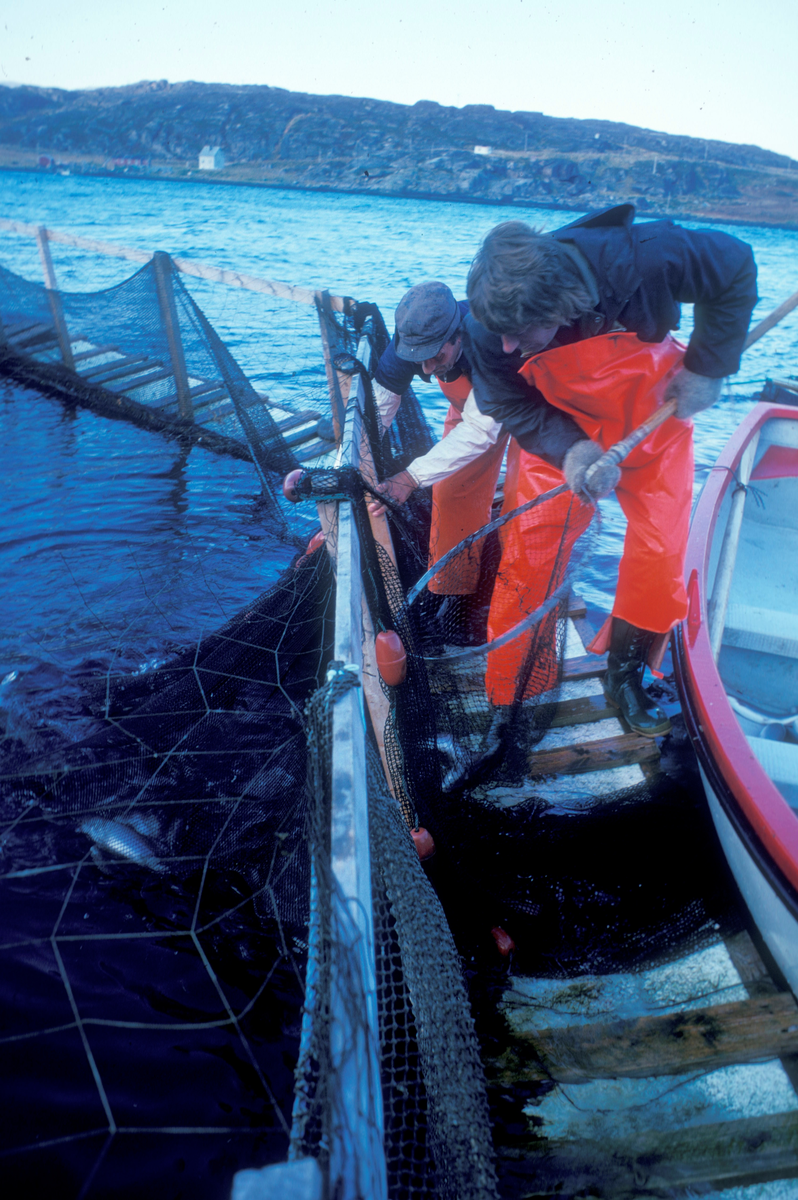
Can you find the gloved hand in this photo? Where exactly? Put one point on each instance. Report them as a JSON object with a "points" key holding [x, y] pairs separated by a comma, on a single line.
{"points": [[692, 393], [577, 460], [397, 488]]}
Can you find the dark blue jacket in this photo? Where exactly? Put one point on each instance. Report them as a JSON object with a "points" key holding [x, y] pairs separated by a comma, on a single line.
{"points": [[397, 374], [644, 273]]}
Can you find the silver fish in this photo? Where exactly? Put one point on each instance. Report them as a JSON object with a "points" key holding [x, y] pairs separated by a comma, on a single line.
{"points": [[121, 841]]}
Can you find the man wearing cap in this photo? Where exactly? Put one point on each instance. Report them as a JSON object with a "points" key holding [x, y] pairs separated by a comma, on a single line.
{"points": [[464, 467]]}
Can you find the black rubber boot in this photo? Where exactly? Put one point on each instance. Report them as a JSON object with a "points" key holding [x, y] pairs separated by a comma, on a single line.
{"points": [[625, 664]]}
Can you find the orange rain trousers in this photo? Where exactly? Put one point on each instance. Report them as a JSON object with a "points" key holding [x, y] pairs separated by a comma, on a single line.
{"points": [[609, 385], [461, 504]]}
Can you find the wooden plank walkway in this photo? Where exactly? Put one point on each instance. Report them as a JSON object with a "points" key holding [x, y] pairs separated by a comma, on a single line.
{"points": [[109, 371], [158, 394], [626, 1089]]}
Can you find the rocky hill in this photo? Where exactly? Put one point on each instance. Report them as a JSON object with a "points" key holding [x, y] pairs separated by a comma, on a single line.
{"points": [[270, 136]]}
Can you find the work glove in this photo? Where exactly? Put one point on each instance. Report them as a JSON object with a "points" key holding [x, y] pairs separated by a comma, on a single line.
{"points": [[396, 488], [577, 460], [692, 393]]}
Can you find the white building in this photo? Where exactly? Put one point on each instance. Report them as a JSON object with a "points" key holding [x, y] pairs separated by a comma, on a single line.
{"points": [[211, 158]]}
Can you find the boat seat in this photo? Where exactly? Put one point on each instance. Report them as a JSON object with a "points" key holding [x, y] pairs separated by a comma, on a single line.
{"points": [[765, 630], [779, 760]]}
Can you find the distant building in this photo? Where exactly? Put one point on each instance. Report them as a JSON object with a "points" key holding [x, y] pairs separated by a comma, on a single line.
{"points": [[482, 149], [211, 158]]}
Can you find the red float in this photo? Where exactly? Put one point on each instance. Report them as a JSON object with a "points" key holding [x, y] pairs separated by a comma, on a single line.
{"points": [[314, 543], [424, 844], [290, 483], [391, 657], [504, 943]]}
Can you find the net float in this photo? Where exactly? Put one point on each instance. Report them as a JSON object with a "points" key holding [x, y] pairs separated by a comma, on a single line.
{"points": [[291, 485], [391, 657], [315, 542], [424, 843], [504, 943]]}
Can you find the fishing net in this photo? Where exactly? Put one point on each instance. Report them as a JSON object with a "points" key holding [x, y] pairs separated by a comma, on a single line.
{"points": [[170, 916]]}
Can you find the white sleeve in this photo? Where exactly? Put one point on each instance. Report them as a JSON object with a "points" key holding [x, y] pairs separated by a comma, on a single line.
{"points": [[475, 434], [387, 404]]}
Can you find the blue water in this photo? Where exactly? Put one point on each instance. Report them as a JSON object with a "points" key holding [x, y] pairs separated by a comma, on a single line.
{"points": [[118, 547], [132, 486]]}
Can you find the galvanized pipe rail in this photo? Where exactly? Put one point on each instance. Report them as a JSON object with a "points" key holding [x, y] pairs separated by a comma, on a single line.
{"points": [[355, 1135], [357, 1160]]}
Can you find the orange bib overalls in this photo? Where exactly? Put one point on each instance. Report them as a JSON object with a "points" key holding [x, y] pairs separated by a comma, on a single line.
{"points": [[609, 384]]}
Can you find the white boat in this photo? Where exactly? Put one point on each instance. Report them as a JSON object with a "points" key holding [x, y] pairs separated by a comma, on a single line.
{"points": [[737, 664]]}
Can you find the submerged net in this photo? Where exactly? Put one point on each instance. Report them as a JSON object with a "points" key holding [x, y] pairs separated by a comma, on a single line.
{"points": [[157, 884], [167, 896]]}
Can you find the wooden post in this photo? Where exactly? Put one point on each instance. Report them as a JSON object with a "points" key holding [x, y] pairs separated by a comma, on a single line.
{"points": [[162, 265], [54, 297], [337, 383]]}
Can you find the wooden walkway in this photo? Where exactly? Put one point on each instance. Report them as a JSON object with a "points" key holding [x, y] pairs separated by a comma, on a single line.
{"points": [[116, 376], [674, 1081], [120, 381]]}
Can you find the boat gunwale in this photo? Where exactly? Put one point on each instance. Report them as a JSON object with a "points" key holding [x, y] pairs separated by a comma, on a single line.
{"points": [[714, 729]]}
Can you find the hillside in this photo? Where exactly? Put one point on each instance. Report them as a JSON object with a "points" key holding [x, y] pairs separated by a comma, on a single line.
{"points": [[270, 136]]}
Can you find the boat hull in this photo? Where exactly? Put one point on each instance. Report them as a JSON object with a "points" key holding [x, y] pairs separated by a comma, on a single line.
{"points": [[756, 820], [768, 904]]}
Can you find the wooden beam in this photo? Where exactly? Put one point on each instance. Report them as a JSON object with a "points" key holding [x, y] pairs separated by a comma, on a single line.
{"points": [[140, 381], [298, 418], [600, 755], [112, 365], [54, 298], [694, 1039], [314, 450], [582, 710], [94, 352], [585, 666], [576, 607], [684, 1163], [162, 266], [338, 383], [38, 335], [299, 436]]}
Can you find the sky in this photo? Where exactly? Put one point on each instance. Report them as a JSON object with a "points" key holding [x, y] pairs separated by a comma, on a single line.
{"points": [[715, 69]]}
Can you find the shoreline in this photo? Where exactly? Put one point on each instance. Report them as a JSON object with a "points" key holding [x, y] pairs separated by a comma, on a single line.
{"points": [[212, 179]]}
